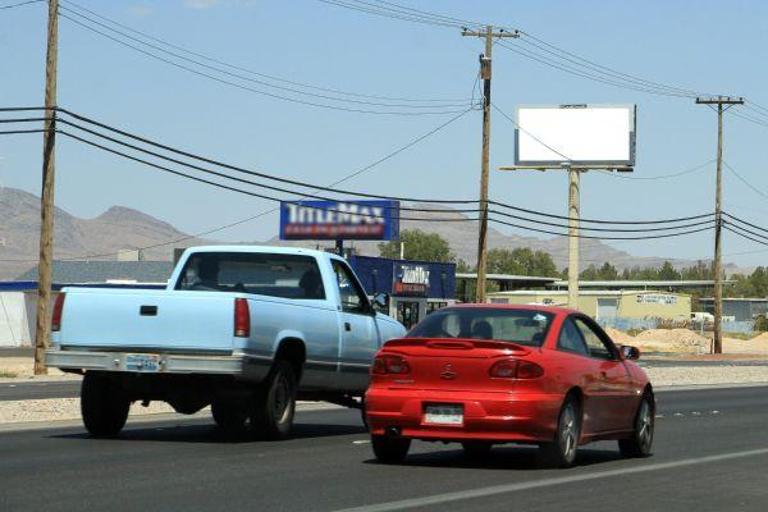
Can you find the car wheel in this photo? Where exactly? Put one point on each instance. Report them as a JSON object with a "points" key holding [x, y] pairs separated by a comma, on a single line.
{"points": [[477, 450], [229, 416], [390, 450], [639, 445], [275, 406], [103, 405], [561, 453]]}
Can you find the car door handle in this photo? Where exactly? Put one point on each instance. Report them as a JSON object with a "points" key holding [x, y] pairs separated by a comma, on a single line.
{"points": [[603, 375], [347, 326]]}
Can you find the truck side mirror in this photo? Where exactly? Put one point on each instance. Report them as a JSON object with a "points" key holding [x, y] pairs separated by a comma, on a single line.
{"points": [[381, 300]]}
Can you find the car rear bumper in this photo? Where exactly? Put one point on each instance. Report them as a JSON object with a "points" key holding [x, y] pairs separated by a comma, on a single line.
{"points": [[488, 416], [247, 366]]}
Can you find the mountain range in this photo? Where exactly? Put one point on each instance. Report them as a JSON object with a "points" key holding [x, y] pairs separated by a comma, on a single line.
{"points": [[121, 228]]}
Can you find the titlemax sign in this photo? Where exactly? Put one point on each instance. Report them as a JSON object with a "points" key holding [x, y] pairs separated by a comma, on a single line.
{"points": [[339, 220]]}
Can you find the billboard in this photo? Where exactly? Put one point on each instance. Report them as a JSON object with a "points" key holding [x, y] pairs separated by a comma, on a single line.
{"points": [[339, 220], [578, 134]]}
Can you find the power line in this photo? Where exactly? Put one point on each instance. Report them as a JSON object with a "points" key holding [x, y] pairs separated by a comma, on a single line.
{"points": [[661, 176], [261, 74], [252, 89], [744, 180], [420, 209], [264, 83], [20, 4]]}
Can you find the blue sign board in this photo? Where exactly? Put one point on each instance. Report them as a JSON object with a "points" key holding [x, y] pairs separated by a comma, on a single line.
{"points": [[339, 220]]}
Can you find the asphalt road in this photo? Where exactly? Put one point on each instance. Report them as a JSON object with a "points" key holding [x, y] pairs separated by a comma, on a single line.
{"points": [[24, 390], [711, 453]]}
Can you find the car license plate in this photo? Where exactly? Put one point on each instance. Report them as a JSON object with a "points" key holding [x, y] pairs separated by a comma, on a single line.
{"points": [[142, 363], [446, 414]]}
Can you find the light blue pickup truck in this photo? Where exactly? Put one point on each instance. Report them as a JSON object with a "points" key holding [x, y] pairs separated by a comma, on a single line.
{"points": [[246, 329]]}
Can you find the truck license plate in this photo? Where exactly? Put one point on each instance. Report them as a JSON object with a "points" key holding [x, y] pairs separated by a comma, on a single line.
{"points": [[141, 363], [445, 414]]}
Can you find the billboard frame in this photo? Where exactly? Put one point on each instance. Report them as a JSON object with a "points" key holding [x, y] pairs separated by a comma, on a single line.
{"points": [[621, 165]]}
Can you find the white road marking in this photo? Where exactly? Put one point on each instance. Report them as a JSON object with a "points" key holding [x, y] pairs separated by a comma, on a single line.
{"points": [[483, 492], [678, 414], [361, 441]]}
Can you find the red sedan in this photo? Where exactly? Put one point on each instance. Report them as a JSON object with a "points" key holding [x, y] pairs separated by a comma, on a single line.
{"points": [[489, 374]]}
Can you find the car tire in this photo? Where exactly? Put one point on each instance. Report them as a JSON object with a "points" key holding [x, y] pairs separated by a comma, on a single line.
{"points": [[275, 404], [390, 450], [477, 450], [103, 405], [561, 453], [641, 441], [230, 416]]}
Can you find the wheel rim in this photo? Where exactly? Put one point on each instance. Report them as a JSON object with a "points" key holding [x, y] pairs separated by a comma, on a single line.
{"points": [[282, 399], [569, 432], [645, 425]]}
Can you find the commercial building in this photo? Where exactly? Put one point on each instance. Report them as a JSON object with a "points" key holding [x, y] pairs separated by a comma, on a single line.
{"points": [[739, 309], [603, 304], [415, 288]]}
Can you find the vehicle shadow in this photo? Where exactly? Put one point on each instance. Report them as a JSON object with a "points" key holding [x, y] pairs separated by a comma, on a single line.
{"points": [[522, 458], [208, 433]]}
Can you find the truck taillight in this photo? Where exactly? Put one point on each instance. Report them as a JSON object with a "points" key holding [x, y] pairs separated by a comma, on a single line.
{"points": [[58, 307], [390, 364], [242, 318], [515, 369]]}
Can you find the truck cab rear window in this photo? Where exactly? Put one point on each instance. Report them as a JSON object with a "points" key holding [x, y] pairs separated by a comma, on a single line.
{"points": [[275, 275]]}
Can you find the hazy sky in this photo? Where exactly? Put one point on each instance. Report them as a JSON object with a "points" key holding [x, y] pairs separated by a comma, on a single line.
{"points": [[707, 46]]}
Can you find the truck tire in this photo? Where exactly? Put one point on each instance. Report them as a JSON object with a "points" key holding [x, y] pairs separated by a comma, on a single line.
{"points": [[230, 416], [103, 405], [275, 405]]}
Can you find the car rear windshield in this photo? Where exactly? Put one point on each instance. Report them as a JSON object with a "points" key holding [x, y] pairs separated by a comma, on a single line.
{"points": [[277, 275], [523, 326]]}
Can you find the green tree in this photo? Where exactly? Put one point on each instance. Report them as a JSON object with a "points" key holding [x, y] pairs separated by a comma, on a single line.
{"points": [[419, 245], [521, 261], [668, 273]]}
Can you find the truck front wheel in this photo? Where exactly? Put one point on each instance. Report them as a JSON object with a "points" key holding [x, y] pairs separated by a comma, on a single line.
{"points": [[275, 405], [103, 405]]}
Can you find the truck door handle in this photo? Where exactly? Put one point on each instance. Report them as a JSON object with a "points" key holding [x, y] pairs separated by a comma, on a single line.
{"points": [[347, 326], [148, 310]]}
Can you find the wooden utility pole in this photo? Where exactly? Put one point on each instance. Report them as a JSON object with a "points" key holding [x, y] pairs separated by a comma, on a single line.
{"points": [[45, 271], [723, 103], [485, 73]]}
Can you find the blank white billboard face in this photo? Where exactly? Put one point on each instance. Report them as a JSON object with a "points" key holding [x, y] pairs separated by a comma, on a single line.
{"points": [[581, 135]]}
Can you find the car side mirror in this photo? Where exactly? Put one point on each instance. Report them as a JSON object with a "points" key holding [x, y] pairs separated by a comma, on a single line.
{"points": [[381, 300], [628, 352]]}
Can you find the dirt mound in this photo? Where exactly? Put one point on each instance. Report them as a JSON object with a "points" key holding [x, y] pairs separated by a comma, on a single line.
{"points": [[761, 338], [757, 345], [619, 337], [672, 340]]}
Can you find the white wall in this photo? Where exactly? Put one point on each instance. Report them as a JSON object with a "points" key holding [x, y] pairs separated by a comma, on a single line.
{"points": [[14, 320]]}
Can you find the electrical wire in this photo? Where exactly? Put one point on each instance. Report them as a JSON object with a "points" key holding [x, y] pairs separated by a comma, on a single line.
{"points": [[737, 219], [730, 227], [264, 83], [744, 180], [20, 4], [252, 89], [261, 74], [661, 176], [404, 208]]}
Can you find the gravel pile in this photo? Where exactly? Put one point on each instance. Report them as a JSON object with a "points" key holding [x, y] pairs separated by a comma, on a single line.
{"points": [[672, 340]]}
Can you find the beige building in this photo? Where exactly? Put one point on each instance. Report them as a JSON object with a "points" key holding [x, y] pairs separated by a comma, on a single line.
{"points": [[601, 304]]}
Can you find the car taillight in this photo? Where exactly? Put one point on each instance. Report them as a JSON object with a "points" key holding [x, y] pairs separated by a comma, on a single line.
{"points": [[515, 369], [58, 307], [389, 364], [242, 318]]}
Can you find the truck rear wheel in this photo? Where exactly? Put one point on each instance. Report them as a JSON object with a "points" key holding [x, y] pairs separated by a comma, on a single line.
{"points": [[103, 405], [275, 405]]}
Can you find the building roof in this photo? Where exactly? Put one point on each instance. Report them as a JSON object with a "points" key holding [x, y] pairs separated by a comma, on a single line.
{"points": [[697, 283], [610, 293], [91, 272], [512, 278], [736, 299]]}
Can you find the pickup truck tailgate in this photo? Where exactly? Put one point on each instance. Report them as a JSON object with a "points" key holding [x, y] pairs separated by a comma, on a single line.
{"points": [[151, 320]]}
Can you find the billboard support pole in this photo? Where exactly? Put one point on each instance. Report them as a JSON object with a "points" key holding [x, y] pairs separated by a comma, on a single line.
{"points": [[340, 247], [573, 236], [717, 335], [485, 73]]}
